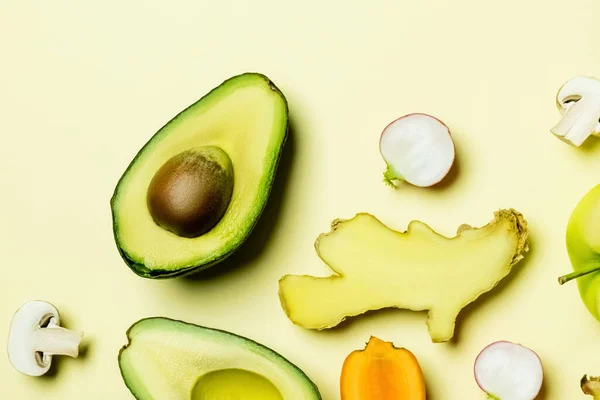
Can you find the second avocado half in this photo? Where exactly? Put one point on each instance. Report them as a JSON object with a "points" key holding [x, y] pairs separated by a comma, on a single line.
{"points": [[194, 192], [170, 359]]}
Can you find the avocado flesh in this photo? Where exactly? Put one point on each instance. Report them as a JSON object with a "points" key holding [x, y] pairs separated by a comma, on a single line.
{"points": [[168, 359], [246, 117], [247, 385]]}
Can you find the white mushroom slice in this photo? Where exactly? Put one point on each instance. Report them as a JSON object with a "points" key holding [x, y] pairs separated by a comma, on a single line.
{"points": [[579, 102], [591, 385], [35, 336]]}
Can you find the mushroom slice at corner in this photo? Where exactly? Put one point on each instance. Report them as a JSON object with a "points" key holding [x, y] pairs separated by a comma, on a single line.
{"points": [[579, 102], [591, 385], [35, 336]]}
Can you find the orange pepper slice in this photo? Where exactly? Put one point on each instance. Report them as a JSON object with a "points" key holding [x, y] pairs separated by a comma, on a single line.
{"points": [[382, 372]]}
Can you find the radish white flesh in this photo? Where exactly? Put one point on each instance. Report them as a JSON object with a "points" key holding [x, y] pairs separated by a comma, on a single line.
{"points": [[509, 371], [418, 149]]}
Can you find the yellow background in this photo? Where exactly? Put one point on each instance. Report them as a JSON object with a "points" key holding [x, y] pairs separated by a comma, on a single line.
{"points": [[84, 84]]}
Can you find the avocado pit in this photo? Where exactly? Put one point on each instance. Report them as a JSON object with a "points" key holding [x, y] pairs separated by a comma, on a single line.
{"points": [[190, 193]]}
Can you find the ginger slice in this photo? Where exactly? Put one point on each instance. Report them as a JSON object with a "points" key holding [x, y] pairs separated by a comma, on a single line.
{"points": [[382, 372], [420, 270]]}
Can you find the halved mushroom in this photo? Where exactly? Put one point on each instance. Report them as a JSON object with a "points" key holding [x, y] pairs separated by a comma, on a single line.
{"points": [[35, 336], [579, 102], [591, 385]]}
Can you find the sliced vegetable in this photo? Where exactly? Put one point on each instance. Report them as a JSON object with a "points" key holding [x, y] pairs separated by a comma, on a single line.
{"points": [[579, 102], [509, 371], [376, 267], [169, 359], [194, 192], [591, 385], [382, 372], [35, 336], [418, 149]]}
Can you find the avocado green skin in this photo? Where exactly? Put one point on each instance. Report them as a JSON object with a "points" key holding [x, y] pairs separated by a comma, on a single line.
{"points": [[583, 246], [156, 273], [272, 353]]}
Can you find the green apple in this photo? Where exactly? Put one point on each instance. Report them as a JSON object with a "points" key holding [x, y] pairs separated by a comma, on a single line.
{"points": [[583, 246]]}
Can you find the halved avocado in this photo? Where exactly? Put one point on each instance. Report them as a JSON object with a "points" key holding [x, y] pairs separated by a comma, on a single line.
{"points": [[169, 359], [196, 189]]}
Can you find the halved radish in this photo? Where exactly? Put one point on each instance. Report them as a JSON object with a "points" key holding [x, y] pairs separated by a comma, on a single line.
{"points": [[509, 371], [418, 149]]}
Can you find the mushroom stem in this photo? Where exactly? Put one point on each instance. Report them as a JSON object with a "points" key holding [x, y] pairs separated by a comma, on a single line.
{"points": [[579, 121], [591, 385], [579, 102], [58, 341]]}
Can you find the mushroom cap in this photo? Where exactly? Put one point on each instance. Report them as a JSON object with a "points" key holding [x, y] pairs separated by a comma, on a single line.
{"points": [[28, 319], [578, 100], [574, 89]]}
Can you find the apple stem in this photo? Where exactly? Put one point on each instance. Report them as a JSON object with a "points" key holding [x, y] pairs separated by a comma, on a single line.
{"points": [[578, 274]]}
